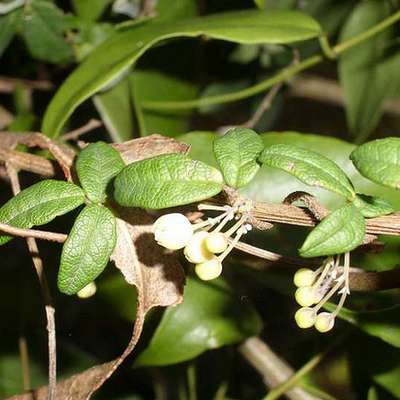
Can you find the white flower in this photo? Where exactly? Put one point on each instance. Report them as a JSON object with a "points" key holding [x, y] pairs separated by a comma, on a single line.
{"points": [[305, 317], [216, 242], [172, 231], [196, 251], [88, 291], [209, 270], [304, 277], [324, 322]]}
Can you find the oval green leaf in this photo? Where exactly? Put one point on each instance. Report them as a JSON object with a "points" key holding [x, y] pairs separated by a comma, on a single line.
{"points": [[166, 181], [210, 316], [310, 167], [87, 249], [43, 29], [236, 153], [371, 206], [379, 161], [367, 75], [341, 231], [96, 165], [39, 204], [125, 47]]}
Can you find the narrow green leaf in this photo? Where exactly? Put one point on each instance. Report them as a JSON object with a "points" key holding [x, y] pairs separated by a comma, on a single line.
{"points": [[124, 48], [384, 324], [150, 85], [236, 153], [310, 167], [88, 248], [115, 109], [379, 161], [96, 165], [368, 75], [8, 26], [209, 317], [43, 29], [372, 207], [166, 181], [341, 231], [39, 204]]}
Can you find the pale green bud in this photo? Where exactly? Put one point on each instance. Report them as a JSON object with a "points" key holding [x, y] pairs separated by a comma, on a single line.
{"points": [[305, 317]]}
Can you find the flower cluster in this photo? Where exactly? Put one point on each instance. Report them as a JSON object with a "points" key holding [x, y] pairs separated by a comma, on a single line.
{"points": [[204, 243], [315, 288]]}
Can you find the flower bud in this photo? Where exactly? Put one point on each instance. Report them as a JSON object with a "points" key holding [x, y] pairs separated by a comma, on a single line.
{"points": [[305, 296], [88, 291], [305, 317], [324, 322], [216, 242], [196, 251], [304, 277], [209, 270], [172, 231]]}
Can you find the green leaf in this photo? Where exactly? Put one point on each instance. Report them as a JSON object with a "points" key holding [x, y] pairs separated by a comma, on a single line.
{"points": [[371, 207], [90, 9], [384, 324], [43, 29], [367, 75], [87, 35], [153, 85], [124, 48], [115, 109], [210, 316], [39, 204], [201, 146], [87, 249], [260, 4], [8, 27], [273, 185], [341, 231], [168, 10], [96, 165], [310, 167], [236, 153], [165, 181], [379, 161]]}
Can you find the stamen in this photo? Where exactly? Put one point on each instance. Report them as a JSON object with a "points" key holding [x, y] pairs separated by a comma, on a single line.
{"points": [[330, 294], [211, 207], [210, 221], [229, 217], [235, 227], [232, 244]]}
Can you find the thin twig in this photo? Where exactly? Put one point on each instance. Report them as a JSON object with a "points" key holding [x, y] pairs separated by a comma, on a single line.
{"points": [[32, 233], [76, 133], [49, 308], [263, 106], [8, 85]]}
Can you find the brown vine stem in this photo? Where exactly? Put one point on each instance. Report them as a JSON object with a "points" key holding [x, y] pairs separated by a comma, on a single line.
{"points": [[33, 233], [44, 287]]}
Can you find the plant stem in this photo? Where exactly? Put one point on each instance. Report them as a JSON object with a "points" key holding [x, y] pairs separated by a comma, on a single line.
{"points": [[305, 369], [281, 76]]}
